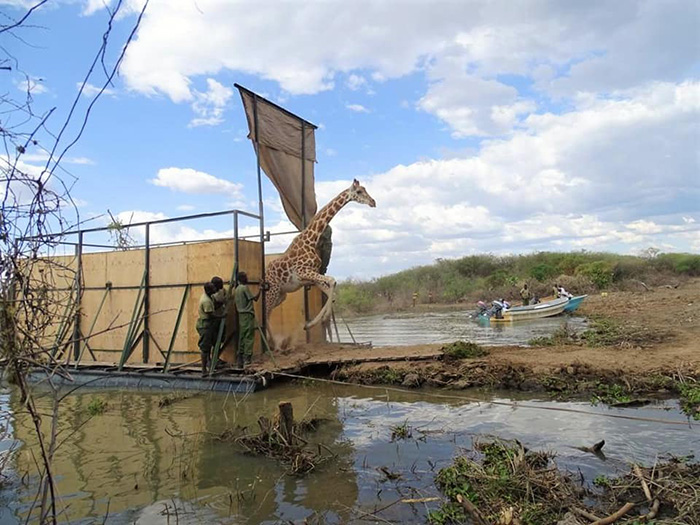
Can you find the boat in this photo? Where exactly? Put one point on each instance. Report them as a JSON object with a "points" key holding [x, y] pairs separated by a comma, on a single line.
{"points": [[574, 302], [533, 311]]}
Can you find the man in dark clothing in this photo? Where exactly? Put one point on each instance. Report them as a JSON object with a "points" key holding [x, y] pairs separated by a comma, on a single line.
{"points": [[244, 298], [206, 325]]}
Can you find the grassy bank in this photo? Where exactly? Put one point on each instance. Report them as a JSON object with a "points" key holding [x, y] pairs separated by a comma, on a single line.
{"points": [[468, 279]]}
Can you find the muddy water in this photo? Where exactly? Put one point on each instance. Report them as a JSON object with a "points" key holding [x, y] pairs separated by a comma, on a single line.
{"points": [[445, 327], [138, 462]]}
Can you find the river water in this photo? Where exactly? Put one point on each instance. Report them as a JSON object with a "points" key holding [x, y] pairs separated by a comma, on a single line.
{"points": [[139, 462], [445, 327]]}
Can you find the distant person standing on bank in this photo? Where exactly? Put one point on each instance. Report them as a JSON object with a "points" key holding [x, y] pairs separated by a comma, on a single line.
{"points": [[206, 325], [525, 295], [244, 298]]}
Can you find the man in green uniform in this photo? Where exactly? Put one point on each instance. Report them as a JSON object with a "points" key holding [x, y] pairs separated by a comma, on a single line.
{"points": [[206, 325], [244, 298], [525, 295], [220, 299]]}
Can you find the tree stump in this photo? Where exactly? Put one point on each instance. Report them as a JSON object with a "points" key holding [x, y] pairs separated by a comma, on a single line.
{"points": [[287, 421]]}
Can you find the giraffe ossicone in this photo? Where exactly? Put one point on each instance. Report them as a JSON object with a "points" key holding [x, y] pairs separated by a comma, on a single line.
{"points": [[300, 263]]}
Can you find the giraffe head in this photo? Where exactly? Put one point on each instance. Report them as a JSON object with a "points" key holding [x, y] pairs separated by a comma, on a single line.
{"points": [[358, 193]]}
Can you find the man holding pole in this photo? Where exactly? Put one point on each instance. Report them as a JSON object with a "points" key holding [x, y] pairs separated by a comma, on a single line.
{"points": [[244, 298]]}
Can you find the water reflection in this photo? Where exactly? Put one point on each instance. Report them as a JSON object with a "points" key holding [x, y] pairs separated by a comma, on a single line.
{"points": [[445, 327], [139, 462]]}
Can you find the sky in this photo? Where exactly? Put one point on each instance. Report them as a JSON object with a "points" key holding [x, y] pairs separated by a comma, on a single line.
{"points": [[478, 127]]}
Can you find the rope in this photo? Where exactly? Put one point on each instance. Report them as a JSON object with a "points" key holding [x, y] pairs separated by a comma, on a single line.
{"points": [[479, 401]]}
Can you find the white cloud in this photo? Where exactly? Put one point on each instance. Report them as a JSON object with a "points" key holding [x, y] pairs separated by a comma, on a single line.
{"points": [[33, 85], [43, 156], [567, 46], [187, 180], [92, 6], [617, 174], [168, 232], [357, 108], [90, 90], [474, 106], [355, 82], [209, 106], [185, 207]]}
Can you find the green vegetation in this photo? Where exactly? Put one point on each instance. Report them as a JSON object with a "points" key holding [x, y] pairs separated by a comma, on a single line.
{"points": [[690, 399], [609, 332], [488, 276], [402, 431], [506, 483], [463, 350], [561, 336], [97, 406], [385, 375], [601, 481], [610, 394], [501, 476]]}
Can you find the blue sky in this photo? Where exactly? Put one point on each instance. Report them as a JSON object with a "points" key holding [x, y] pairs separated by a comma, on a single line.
{"points": [[477, 127]]}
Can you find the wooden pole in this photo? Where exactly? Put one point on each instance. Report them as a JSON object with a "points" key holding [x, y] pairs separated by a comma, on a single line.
{"points": [[287, 421]]}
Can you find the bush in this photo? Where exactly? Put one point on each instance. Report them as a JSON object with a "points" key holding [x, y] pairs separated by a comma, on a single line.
{"points": [[681, 263], [599, 272], [543, 271], [500, 278], [354, 297]]}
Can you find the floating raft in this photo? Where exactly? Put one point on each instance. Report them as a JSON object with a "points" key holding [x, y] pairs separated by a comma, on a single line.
{"points": [[150, 378]]}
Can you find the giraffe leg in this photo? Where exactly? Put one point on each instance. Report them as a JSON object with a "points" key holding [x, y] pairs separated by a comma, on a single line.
{"points": [[273, 298], [327, 285]]}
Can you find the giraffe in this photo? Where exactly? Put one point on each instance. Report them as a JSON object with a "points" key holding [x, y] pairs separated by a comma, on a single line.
{"points": [[299, 264]]}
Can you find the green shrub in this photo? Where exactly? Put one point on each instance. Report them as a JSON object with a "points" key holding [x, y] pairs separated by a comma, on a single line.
{"points": [[543, 271], [599, 272], [96, 406], [356, 297], [681, 263]]}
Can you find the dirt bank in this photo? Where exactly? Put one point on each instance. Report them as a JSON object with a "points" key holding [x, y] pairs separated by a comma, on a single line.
{"points": [[657, 329], [638, 343]]}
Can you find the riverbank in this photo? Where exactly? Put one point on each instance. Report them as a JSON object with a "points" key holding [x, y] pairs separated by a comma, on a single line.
{"points": [[638, 344]]}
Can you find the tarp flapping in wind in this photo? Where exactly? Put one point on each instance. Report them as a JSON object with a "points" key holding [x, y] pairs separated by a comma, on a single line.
{"points": [[279, 145]]}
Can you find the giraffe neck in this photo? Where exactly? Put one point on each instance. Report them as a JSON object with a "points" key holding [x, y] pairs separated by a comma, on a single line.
{"points": [[323, 217]]}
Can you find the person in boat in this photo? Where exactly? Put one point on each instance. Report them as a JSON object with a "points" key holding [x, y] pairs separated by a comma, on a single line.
{"points": [[525, 295], [244, 298], [564, 293], [206, 325], [555, 290]]}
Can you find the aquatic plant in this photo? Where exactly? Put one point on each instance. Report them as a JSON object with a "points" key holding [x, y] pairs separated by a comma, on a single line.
{"points": [[502, 477], [610, 394], [503, 482], [96, 406], [402, 431]]}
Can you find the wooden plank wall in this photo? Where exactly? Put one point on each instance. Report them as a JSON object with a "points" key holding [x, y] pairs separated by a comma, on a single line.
{"points": [[171, 268]]}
